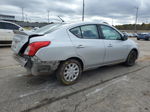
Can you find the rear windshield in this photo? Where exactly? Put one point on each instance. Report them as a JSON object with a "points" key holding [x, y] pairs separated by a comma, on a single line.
{"points": [[48, 28]]}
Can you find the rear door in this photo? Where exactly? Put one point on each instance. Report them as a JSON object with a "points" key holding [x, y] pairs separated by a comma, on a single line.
{"points": [[116, 48], [88, 44]]}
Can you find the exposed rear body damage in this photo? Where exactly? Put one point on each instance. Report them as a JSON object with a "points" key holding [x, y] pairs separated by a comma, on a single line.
{"points": [[21, 41], [33, 64]]}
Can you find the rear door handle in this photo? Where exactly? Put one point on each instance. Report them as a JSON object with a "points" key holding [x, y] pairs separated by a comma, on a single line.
{"points": [[110, 45], [80, 46]]}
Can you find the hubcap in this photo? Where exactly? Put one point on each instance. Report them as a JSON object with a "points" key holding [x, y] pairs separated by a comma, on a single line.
{"points": [[71, 72]]}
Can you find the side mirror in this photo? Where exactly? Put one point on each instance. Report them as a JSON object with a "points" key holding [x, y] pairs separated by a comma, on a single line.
{"points": [[124, 37]]}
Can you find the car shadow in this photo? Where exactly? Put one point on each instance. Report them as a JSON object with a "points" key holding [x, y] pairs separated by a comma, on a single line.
{"points": [[41, 79], [105, 72]]}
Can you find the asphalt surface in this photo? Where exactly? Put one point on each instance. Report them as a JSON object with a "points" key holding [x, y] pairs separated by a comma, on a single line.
{"points": [[114, 88]]}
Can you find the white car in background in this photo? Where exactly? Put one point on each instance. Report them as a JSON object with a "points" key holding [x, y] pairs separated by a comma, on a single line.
{"points": [[69, 49], [6, 32]]}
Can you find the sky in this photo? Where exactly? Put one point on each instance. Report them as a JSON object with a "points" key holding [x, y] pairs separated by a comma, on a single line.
{"points": [[111, 11]]}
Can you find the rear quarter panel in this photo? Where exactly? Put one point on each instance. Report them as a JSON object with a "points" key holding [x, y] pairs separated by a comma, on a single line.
{"points": [[60, 48]]}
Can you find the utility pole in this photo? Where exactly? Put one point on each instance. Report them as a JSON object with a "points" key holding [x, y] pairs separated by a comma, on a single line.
{"points": [[48, 16], [22, 14], [136, 19], [83, 11], [26, 18]]}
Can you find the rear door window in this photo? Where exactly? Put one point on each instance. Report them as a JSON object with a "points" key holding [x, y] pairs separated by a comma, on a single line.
{"points": [[76, 31], [86, 32], [89, 32]]}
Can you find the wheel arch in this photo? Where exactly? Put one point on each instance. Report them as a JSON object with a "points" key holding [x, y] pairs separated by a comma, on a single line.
{"points": [[136, 50], [78, 59]]}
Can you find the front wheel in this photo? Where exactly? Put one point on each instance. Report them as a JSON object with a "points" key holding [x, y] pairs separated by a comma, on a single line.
{"points": [[69, 72], [131, 58]]}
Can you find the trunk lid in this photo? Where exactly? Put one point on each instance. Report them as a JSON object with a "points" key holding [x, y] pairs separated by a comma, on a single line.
{"points": [[21, 40]]}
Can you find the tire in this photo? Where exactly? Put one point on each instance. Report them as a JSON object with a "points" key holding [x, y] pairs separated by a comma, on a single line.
{"points": [[131, 58], [69, 72], [148, 39], [138, 39]]}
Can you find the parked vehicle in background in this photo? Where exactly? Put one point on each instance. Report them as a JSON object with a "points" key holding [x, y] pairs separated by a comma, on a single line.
{"points": [[130, 34], [6, 32], [135, 35], [126, 34], [144, 36], [69, 49]]}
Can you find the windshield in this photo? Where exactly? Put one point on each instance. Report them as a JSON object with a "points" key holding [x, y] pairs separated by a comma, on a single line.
{"points": [[48, 28]]}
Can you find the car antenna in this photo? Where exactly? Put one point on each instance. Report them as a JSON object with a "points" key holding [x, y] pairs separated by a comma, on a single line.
{"points": [[105, 22], [61, 19]]}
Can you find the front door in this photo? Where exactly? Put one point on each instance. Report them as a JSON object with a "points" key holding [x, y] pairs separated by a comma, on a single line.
{"points": [[116, 48]]}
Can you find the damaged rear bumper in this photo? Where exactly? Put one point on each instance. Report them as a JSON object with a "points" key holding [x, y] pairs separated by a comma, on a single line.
{"points": [[35, 66]]}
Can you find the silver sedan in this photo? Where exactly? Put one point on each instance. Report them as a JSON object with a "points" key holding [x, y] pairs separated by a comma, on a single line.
{"points": [[70, 49]]}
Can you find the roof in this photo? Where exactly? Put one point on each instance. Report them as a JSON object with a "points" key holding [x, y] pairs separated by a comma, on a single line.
{"points": [[69, 25], [76, 24]]}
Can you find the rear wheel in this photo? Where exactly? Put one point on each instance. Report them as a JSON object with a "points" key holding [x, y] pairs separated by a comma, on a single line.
{"points": [[69, 72], [131, 58], [138, 39]]}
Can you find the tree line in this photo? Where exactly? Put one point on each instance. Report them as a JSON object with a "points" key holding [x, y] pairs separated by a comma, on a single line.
{"points": [[142, 26]]}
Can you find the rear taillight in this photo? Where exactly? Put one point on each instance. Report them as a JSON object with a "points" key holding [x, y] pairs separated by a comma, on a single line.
{"points": [[35, 46]]}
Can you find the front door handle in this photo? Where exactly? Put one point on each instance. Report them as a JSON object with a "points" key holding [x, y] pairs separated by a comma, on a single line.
{"points": [[80, 46]]}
